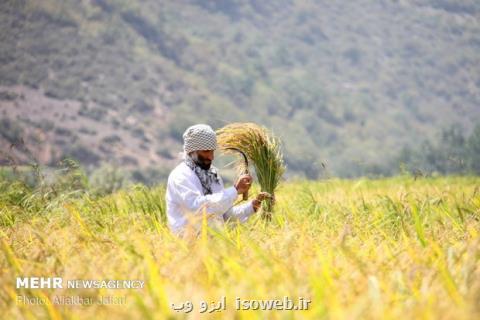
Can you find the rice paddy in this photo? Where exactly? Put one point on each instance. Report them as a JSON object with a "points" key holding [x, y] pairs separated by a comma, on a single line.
{"points": [[396, 248]]}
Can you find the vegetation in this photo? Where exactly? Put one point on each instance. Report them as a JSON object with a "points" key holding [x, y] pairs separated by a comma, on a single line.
{"points": [[352, 88], [391, 248], [452, 153], [346, 85]]}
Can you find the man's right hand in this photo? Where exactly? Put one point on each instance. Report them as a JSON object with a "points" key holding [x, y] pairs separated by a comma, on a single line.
{"points": [[243, 183]]}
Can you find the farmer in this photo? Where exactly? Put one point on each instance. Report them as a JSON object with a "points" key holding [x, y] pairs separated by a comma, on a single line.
{"points": [[195, 186]]}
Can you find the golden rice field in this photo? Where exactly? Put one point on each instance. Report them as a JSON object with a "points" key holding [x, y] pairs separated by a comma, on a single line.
{"points": [[395, 248]]}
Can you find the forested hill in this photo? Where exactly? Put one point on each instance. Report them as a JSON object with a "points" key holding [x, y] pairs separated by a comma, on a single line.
{"points": [[348, 85]]}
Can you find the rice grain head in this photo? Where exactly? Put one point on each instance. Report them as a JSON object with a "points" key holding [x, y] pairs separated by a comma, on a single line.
{"points": [[262, 149]]}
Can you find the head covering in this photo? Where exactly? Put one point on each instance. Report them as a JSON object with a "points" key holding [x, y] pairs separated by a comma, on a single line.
{"points": [[195, 138], [199, 137]]}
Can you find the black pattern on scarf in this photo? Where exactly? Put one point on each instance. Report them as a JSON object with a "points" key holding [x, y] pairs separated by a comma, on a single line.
{"points": [[206, 177]]}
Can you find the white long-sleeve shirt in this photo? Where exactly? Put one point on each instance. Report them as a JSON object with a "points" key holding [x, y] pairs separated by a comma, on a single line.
{"points": [[186, 201]]}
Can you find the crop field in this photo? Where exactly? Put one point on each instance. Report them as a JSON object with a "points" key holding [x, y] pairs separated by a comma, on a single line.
{"points": [[395, 248]]}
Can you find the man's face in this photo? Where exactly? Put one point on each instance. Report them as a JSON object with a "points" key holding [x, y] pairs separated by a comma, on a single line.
{"points": [[204, 158]]}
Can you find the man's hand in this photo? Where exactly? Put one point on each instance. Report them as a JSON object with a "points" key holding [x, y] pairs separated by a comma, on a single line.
{"points": [[243, 183], [260, 197]]}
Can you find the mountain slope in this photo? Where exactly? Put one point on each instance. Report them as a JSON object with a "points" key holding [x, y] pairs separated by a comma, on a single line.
{"points": [[346, 84]]}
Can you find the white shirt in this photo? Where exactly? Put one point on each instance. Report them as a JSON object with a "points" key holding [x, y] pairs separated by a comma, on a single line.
{"points": [[186, 201]]}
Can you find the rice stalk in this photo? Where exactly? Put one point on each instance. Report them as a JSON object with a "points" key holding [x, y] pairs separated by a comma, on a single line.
{"points": [[262, 149]]}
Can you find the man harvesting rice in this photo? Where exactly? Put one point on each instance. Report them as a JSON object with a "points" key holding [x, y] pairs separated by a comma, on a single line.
{"points": [[195, 186]]}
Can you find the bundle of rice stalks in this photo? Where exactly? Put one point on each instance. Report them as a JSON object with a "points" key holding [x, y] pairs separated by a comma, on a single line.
{"points": [[262, 149]]}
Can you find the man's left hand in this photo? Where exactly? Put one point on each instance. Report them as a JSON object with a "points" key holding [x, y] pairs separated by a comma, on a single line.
{"points": [[260, 197]]}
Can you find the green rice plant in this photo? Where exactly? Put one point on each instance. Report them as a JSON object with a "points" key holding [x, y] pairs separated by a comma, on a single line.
{"points": [[262, 148]]}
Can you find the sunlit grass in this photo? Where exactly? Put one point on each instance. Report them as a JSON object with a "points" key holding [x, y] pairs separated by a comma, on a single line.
{"points": [[391, 248]]}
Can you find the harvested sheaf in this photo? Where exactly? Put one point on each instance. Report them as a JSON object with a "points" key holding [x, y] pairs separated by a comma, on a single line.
{"points": [[262, 149]]}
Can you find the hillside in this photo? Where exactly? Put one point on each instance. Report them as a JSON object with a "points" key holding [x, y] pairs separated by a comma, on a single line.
{"points": [[345, 84]]}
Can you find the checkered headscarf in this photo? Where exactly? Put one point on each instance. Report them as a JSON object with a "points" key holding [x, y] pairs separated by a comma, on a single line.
{"points": [[199, 137]]}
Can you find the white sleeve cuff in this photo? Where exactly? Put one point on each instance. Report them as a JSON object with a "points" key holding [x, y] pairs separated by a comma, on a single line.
{"points": [[250, 210], [231, 193], [246, 211]]}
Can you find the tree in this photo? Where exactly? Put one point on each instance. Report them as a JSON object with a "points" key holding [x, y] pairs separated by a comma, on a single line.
{"points": [[473, 151]]}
